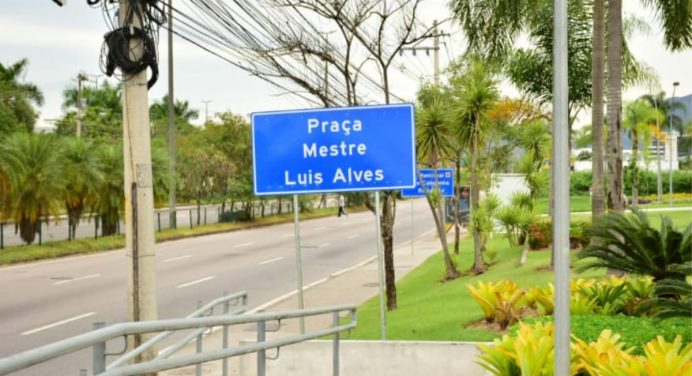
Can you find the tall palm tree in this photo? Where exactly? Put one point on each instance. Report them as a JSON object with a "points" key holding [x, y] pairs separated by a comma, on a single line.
{"points": [[40, 181], [17, 98], [614, 106], [9, 169], [476, 93], [434, 142], [676, 20], [110, 193], [598, 203], [638, 117], [84, 175]]}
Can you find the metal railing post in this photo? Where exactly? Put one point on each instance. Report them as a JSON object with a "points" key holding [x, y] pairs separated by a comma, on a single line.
{"points": [[40, 233], [261, 355], [158, 217], [99, 352], [198, 345], [224, 340], [190, 216], [335, 355], [205, 215], [2, 235]]}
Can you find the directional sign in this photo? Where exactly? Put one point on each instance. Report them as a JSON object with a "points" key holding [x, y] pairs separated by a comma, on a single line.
{"points": [[445, 180], [334, 149]]}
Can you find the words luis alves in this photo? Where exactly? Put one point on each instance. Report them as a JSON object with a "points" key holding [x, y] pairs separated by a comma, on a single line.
{"points": [[341, 149]]}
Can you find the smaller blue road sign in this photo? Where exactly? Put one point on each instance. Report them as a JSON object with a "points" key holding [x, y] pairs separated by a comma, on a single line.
{"points": [[445, 179]]}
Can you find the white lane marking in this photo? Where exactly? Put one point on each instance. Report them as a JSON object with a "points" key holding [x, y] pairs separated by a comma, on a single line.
{"points": [[265, 262], [323, 245], [353, 236], [243, 244], [177, 258], [32, 331], [195, 282], [77, 279], [286, 236]]}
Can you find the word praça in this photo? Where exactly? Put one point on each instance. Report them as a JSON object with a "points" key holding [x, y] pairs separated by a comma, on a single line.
{"points": [[348, 176], [333, 126]]}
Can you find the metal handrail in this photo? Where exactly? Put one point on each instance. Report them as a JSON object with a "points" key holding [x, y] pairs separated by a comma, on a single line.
{"points": [[163, 335], [188, 360], [100, 336]]}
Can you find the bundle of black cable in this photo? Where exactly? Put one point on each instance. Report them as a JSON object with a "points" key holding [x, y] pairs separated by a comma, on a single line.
{"points": [[122, 55]]}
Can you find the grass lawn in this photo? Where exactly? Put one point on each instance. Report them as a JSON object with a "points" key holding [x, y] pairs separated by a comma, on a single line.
{"points": [[432, 310], [34, 252], [583, 204], [680, 218]]}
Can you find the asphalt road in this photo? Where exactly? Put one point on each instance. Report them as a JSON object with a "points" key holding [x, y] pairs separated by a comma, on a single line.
{"points": [[48, 301]]}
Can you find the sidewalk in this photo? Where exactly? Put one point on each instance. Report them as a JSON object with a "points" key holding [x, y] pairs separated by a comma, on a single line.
{"points": [[350, 286]]}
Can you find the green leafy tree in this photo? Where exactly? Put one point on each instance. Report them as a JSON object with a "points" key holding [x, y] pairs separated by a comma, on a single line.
{"points": [[475, 90], [17, 99], [40, 181], [83, 175], [158, 114], [102, 116]]}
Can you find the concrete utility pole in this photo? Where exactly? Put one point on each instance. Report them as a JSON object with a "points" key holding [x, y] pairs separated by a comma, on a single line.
{"points": [[172, 219], [139, 200], [206, 110], [436, 80], [81, 77]]}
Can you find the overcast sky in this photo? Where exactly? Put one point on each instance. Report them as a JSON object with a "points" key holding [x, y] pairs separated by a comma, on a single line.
{"points": [[62, 41]]}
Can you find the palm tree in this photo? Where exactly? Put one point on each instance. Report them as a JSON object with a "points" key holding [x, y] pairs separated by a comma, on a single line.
{"points": [[84, 175], [9, 169], [434, 142], [158, 113], [629, 243], [110, 193], [40, 182], [476, 93], [17, 98], [676, 20], [638, 117], [598, 202], [102, 117]]}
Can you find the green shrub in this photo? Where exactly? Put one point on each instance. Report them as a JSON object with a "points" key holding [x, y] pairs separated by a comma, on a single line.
{"points": [[540, 235], [635, 331], [234, 216], [580, 183]]}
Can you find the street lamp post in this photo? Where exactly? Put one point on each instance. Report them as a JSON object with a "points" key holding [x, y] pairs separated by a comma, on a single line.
{"points": [[670, 145]]}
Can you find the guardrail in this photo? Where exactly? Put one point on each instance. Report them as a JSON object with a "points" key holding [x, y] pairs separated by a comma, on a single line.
{"points": [[227, 301], [97, 340]]}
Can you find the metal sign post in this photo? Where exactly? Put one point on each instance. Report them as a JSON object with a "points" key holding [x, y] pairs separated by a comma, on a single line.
{"points": [[299, 260], [413, 232], [561, 190], [380, 267]]}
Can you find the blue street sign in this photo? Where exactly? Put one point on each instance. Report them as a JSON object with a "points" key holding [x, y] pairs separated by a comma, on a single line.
{"points": [[334, 149], [445, 179]]}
